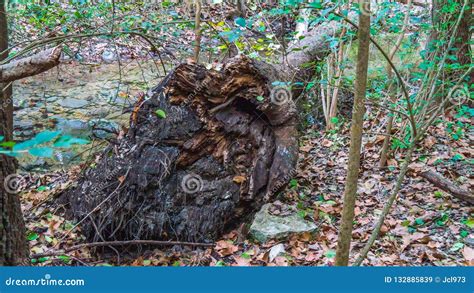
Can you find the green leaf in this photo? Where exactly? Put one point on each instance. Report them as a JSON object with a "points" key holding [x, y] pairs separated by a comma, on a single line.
{"points": [[41, 152], [42, 188], [245, 255], [7, 144], [160, 113], [334, 120], [470, 223], [438, 194], [316, 5], [419, 221], [442, 220], [463, 233], [240, 21], [66, 259], [67, 141], [330, 253], [457, 246], [406, 223], [260, 98], [32, 236], [43, 259], [147, 262], [45, 136], [40, 138], [293, 183]]}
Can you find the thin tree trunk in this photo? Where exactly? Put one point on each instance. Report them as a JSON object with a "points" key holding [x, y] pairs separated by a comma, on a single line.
{"points": [[422, 129], [393, 99], [350, 192], [387, 207], [197, 47], [13, 246], [463, 35]]}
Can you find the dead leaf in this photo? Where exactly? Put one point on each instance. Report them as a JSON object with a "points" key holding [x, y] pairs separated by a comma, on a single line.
{"points": [[225, 248], [468, 254], [241, 261], [239, 179], [275, 251]]}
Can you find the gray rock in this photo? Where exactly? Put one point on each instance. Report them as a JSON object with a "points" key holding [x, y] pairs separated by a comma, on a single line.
{"points": [[73, 103], [266, 226], [23, 129], [23, 125], [102, 128], [109, 56], [52, 99], [76, 128], [469, 241], [37, 165]]}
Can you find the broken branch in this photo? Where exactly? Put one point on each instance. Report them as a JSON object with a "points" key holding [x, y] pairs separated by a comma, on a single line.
{"points": [[31, 65], [120, 243], [445, 184]]}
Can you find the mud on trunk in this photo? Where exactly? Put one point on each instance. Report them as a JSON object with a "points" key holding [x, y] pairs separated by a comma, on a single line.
{"points": [[208, 148]]}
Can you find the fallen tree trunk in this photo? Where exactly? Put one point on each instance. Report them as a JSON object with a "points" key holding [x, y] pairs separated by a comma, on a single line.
{"points": [[207, 149], [203, 151], [445, 184], [29, 66]]}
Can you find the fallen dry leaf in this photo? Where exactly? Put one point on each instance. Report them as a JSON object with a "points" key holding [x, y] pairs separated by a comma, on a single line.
{"points": [[225, 248], [468, 254]]}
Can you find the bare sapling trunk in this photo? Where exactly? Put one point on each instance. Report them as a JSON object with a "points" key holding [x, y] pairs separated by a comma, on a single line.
{"points": [[393, 96], [198, 32], [350, 192]]}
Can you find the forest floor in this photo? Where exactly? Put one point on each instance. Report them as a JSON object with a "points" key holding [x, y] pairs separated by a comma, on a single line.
{"points": [[426, 226]]}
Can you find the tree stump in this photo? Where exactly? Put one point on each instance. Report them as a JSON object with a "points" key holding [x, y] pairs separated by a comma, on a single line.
{"points": [[208, 148]]}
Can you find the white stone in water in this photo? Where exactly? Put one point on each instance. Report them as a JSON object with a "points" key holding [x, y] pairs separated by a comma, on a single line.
{"points": [[266, 226], [109, 56]]}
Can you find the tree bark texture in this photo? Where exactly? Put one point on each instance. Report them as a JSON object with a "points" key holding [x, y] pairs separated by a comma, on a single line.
{"points": [[350, 192], [206, 150], [13, 246]]}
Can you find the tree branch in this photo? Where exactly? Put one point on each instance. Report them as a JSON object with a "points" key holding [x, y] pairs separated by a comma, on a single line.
{"points": [[439, 181], [31, 65], [120, 243]]}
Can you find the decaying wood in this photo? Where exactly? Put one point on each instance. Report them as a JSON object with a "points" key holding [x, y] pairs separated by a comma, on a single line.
{"points": [[194, 173], [228, 144], [31, 65], [445, 184]]}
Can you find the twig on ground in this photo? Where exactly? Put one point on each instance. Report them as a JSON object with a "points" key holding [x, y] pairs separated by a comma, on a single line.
{"points": [[120, 243]]}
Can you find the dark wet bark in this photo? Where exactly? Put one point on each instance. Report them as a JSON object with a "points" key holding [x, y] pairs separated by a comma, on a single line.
{"points": [[219, 154], [227, 145], [13, 246]]}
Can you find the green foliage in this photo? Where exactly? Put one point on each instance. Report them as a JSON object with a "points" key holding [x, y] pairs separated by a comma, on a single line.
{"points": [[42, 145], [160, 113], [293, 183], [32, 236]]}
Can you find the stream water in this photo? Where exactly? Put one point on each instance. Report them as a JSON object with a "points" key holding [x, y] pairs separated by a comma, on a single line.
{"points": [[86, 101]]}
